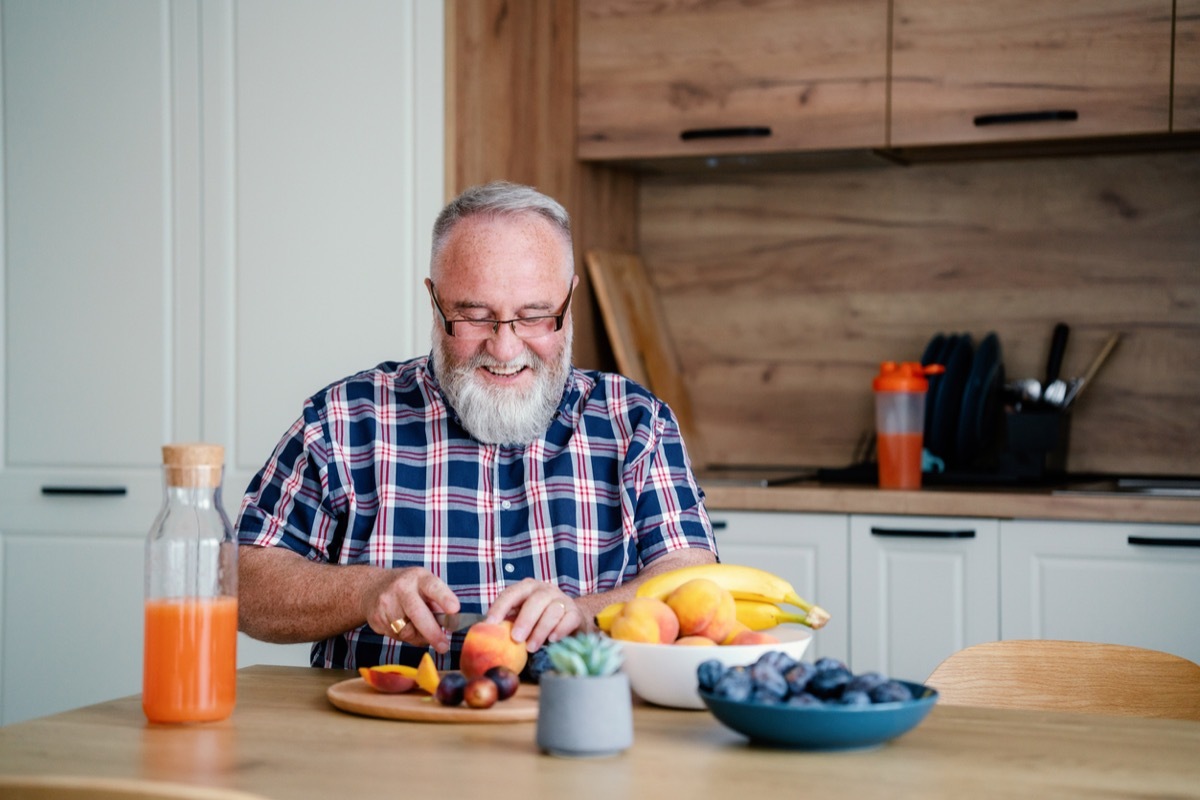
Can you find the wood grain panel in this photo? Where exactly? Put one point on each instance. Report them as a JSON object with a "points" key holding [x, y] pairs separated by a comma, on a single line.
{"points": [[812, 71], [510, 109], [1185, 99], [1107, 60], [783, 292]]}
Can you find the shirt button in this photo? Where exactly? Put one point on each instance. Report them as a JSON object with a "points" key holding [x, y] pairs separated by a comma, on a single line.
{"points": [[509, 568], [505, 505]]}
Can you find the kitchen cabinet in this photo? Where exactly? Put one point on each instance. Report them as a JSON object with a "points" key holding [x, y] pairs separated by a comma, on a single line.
{"points": [[682, 78], [1185, 96], [1122, 583], [809, 550], [985, 72], [194, 209], [922, 588]]}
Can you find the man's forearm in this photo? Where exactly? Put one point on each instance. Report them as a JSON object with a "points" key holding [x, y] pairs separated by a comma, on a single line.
{"points": [[285, 598]]}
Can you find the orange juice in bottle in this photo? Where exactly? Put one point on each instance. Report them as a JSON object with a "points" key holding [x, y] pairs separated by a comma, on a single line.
{"points": [[190, 656]]}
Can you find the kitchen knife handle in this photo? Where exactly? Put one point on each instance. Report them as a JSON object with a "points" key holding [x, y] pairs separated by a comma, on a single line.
{"points": [[84, 491], [1162, 541], [1058, 347], [1018, 117], [920, 533], [737, 132]]}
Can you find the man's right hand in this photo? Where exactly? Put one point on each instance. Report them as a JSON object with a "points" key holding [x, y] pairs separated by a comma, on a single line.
{"points": [[401, 605]]}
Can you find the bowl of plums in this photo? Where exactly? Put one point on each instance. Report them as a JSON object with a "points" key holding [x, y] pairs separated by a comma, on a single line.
{"points": [[779, 701]]}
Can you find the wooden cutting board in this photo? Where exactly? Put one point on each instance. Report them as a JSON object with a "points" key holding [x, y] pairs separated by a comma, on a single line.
{"points": [[642, 346], [355, 697]]}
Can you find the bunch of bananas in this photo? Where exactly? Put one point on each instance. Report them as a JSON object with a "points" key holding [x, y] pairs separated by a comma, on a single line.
{"points": [[756, 592]]}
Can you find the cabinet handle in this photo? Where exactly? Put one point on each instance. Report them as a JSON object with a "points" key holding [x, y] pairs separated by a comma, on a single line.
{"points": [[918, 533], [1064, 115], [1163, 541], [90, 491], [719, 524], [744, 132]]}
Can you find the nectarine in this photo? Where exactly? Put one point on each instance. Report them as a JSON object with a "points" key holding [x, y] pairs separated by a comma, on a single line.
{"points": [[490, 645]]}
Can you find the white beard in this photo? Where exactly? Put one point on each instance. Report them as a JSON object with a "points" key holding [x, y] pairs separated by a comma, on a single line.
{"points": [[496, 415]]}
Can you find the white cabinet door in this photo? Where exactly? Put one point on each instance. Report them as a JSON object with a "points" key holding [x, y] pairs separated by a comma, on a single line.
{"points": [[72, 622], [809, 550], [331, 130], [1123, 583], [923, 588], [88, 200], [210, 210]]}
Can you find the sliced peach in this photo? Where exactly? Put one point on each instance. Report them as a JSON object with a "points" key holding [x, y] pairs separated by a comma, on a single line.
{"points": [[427, 674], [389, 678]]}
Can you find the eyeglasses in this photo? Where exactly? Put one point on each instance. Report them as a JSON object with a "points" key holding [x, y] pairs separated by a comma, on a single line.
{"points": [[523, 327]]}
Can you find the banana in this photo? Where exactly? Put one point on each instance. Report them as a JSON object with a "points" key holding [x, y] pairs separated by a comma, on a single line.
{"points": [[604, 619], [759, 616], [743, 582]]}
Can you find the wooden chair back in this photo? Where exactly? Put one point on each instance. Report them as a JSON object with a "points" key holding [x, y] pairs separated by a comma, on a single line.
{"points": [[642, 346], [1084, 677]]}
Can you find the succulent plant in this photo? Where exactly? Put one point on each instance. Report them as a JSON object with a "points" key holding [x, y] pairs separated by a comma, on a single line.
{"points": [[585, 655]]}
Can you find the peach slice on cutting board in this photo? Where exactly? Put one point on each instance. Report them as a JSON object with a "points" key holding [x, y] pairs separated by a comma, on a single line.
{"points": [[389, 678]]}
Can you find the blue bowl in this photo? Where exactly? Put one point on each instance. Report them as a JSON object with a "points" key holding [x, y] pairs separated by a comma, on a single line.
{"points": [[825, 727]]}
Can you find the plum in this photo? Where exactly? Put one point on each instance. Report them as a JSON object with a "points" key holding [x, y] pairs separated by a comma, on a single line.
{"points": [[506, 681]]}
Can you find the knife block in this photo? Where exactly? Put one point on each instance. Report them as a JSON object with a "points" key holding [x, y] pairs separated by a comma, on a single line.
{"points": [[1035, 443]]}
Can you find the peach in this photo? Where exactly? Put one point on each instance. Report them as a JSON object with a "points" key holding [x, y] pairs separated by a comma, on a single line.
{"points": [[645, 619], [695, 641], [752, 637], [427, 674], [703, 608], [488, 645], [389, 678]]}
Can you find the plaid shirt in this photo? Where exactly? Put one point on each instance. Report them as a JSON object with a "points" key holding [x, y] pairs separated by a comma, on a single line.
{"points": [[378, 470]]}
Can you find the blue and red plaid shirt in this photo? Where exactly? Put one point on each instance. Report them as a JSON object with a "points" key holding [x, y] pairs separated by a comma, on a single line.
{"points": [[378, 470]]}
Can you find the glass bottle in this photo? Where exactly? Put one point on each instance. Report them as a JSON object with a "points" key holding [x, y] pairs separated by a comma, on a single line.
{"points": [[190, 651]]}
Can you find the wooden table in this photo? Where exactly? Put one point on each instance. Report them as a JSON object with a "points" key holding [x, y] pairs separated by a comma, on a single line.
{"points": [[286, 741]]}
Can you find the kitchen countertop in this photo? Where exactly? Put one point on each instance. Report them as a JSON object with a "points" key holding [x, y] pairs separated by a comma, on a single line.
{"points": [[1073, 503], [285, 740]]}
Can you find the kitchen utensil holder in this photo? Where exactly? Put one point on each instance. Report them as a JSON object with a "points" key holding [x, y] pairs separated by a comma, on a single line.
{"points": [[1035, 443]]}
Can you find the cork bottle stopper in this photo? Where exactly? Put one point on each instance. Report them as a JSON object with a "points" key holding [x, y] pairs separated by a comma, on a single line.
{"points": [[193, 464]]}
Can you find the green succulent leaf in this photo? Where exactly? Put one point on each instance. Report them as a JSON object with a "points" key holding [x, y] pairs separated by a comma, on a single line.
{"points": [[585, 654]]}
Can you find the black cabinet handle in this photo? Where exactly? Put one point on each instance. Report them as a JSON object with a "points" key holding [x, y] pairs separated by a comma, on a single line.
{"points": [[719, 524], [1064, 115], [1162, 541], [80, 491], [917, 533], [743, 132]]}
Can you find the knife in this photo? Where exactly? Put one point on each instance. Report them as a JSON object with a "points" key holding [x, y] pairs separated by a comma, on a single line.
{"points": [[458, 622]]}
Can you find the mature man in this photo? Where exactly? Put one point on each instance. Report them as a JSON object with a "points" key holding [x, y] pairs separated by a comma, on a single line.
{"points": [[491, 476]]}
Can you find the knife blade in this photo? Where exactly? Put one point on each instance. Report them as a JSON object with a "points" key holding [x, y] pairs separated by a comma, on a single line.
{"points": [[458, 622]]}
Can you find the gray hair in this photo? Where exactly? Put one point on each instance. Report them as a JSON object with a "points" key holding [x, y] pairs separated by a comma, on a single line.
{"points": [[495, 199]]}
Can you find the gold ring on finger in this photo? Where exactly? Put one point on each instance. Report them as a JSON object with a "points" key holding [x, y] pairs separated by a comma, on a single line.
{"points": [[397, 625]]}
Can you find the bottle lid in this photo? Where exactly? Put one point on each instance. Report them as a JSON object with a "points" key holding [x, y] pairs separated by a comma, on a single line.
{"points": [[906, 376], [193, 464]]}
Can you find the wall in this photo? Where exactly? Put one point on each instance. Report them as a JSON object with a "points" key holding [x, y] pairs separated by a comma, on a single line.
{"points": [[784, 291]]}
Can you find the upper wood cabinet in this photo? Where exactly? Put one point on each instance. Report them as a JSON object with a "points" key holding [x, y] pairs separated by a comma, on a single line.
{"points": [[682, 77], [1185, 110], [976, 71]]}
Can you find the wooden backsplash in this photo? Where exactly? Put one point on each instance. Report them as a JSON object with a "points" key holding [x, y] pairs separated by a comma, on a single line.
{"points": [[784, 291]]}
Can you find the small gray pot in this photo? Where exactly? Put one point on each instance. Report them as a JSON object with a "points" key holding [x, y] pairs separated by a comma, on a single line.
{"points": [[584, 717]]}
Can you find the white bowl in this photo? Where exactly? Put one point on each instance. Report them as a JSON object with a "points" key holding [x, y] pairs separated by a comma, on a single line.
{"points": [[665, 674]]}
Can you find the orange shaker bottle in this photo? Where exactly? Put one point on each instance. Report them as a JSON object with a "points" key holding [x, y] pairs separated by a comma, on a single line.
{"points": [[190, 650], [900, 390]]}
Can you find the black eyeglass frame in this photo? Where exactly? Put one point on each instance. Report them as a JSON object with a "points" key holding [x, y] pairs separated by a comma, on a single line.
{"points": [[558, 318]]}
